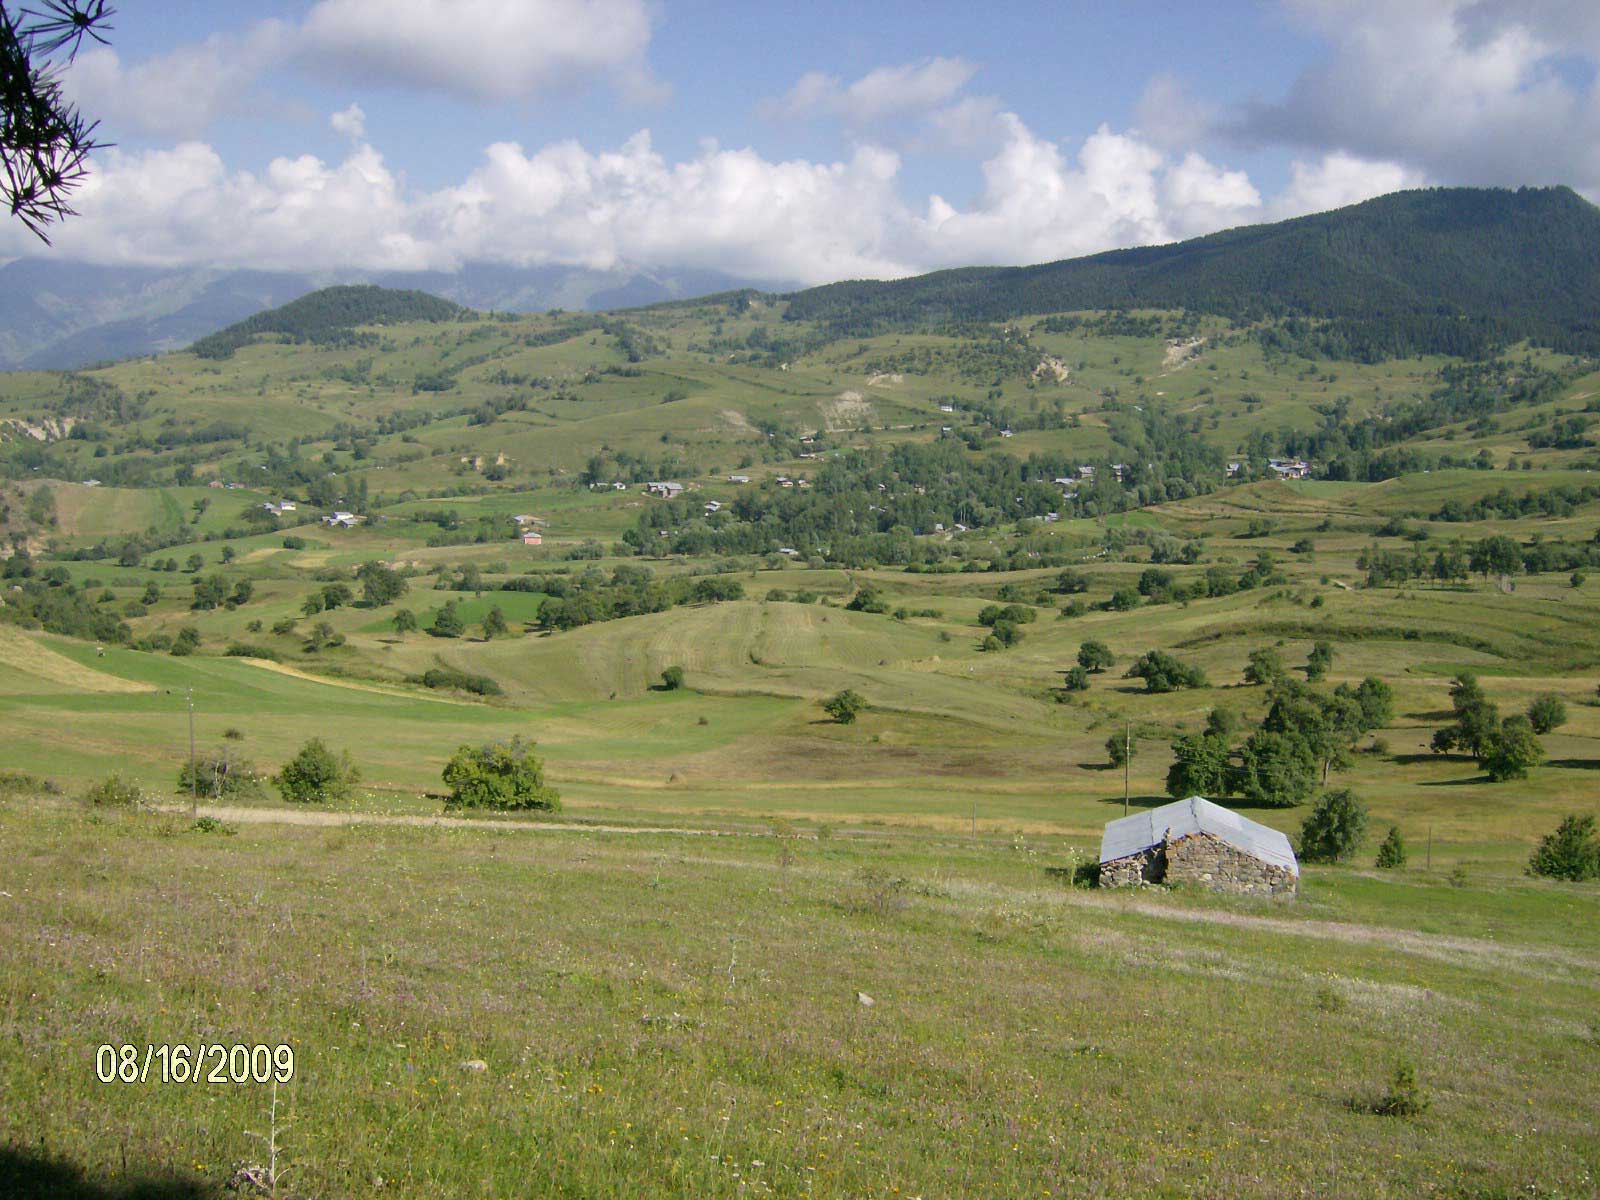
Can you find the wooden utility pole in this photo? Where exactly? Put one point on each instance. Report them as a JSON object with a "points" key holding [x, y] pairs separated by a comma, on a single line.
{"points": [[194, 773], [1127, 746]]}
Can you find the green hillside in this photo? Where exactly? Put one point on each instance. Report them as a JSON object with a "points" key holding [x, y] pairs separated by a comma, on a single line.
{"points": [[1444, 270], [329, 316]]}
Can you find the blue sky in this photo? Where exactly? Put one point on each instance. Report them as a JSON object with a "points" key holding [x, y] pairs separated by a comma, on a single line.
{"points": [[797, 141]]}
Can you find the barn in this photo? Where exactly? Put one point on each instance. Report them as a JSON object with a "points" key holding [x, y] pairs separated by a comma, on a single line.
{"points": [[1197, 842]]}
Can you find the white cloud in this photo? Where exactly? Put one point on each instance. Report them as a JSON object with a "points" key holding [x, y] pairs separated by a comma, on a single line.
{"points": [[483, 49], [1471, 91], [1340, 179], [881, 94], [177, 94], [725, 209], [350, 122]]}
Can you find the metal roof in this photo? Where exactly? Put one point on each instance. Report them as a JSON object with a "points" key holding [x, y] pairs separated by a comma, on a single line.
{"points": [[1131, 834]]}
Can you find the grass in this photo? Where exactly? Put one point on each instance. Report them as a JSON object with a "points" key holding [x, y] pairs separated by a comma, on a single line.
{"points": [[662, 1015]]}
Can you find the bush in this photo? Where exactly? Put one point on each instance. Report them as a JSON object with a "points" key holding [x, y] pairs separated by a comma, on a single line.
{"points": [[1121, 748], [114, 792], [447, 622], [317, 775], [1334, 827], [250, 650], [844, 707], [1076, 680], [445, 677], [501, 775], [220, 776], [1572, 852], [1162, 672], [20, 783], [672, 679], [1405, 1097], [1547, 713], [1392, 854]]}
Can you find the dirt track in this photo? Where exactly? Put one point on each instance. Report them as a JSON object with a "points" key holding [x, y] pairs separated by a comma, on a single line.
{"points": [[302, 816]]}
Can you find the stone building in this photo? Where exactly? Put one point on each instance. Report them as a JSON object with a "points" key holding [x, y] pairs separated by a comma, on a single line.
{"points": [[1197, 842]]}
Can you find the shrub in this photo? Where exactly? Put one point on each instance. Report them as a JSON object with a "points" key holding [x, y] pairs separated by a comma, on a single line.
{"points": [[1405, 1097], [844, 707], [212, 825], [1162, 672], [20, 783], [1392, 854], [672, 679], [445, 677], [1334, 827], [1076, 680], [501, 775], [114, 791], [447, 622], [1121, 748], [868, 600], [1547, 713], [1572, 852], [317, 775], [250, 650], [187, 641], [220, 776]]}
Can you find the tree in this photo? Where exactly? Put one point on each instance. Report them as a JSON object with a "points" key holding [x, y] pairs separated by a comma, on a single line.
{"points": [[1124, 599], [1497, 555], [1276, 769], [322, 635], [494, 624], [312, 604], [672, 678], [336, 595], [1264, 667], [152, 595], [1162, 672], [868, 600], [1376, 699], [1318, 662], [1572, 852], [1075, 679], [1513, 750], [1096, 657], [405, 621], [1121, 748], [242, 592], [1334, 827], [500, 775], [187, 641], [1477, 719], [45, 142], [1200, 766], [316, 775], [228, 554], [380, 584], [209, 591], [447, 622], [844, 706], [1547, 713], [1392, 854], [1071, 582], [195, 562]]}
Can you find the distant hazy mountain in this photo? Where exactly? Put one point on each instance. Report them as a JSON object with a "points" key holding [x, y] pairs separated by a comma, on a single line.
{"points": [[56, 315]]}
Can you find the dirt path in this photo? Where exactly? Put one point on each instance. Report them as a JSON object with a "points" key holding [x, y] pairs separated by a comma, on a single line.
{"points": [[322, 817]]}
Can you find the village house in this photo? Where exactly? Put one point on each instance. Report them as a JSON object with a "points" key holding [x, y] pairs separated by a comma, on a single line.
{"points": [[1234, 468], [342, 520], [1290, 468], [1197, 842], [738, 479], [666, 489], [532, 537]]}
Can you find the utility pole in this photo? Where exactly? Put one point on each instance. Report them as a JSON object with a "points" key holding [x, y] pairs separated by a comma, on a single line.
{"points": [[194, 774], [1127, 746]]}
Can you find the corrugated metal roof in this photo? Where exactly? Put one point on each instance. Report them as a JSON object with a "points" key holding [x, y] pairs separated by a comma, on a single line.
{"points": [[1131, 834]]}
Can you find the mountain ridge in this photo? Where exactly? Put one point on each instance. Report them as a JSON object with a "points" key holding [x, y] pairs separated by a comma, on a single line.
{"points": [[1440, 270]]}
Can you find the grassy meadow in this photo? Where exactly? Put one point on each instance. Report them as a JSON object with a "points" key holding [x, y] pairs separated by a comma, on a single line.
{"points": [[659, 988]]}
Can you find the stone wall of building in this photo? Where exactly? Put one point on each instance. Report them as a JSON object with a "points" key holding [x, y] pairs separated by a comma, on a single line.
{"points": [[1200, 860]]}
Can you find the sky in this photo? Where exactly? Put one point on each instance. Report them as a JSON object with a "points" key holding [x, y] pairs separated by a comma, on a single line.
{"points": [[800, 142]]}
